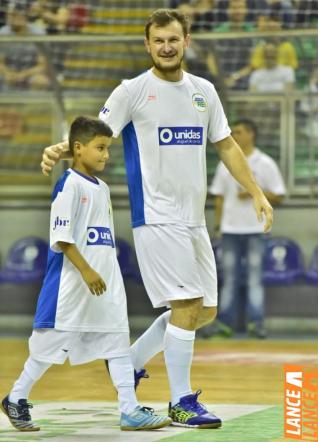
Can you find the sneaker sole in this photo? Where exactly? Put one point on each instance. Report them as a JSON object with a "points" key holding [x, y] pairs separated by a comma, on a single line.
{"points": [[19, 428], [179, 424], [148, 427]]}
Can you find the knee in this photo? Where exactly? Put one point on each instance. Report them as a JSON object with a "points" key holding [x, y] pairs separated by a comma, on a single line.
{"points": [[185, 314], [207, 316]]}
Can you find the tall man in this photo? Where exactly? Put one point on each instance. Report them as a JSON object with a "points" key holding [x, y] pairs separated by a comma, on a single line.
{"points": [[166, 116]]}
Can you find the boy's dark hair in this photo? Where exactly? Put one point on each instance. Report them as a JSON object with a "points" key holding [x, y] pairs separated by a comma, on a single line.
{"points": [[84, 129], [163, 17], [249, 124]]}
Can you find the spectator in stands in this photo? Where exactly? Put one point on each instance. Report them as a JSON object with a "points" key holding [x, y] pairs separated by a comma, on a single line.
{"points": [[273, 77], [306, 13], [286, 52], [200, 57], [233, 54], [309, 107], [3, 12], [201, 13], [284, 9], [53, 16], [255, 8], [237, 21], [242, 235], [21, 64]]}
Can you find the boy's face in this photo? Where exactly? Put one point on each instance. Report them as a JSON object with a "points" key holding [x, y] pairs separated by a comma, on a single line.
{"points": [[93, 156]]}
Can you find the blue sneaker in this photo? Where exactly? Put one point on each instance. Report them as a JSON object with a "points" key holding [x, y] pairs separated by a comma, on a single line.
{"points": [[19, 415], [190, 413], [143, 418], [141, 374]]}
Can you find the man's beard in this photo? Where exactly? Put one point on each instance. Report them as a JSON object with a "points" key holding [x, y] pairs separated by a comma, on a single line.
{"points": [[164, 68]]}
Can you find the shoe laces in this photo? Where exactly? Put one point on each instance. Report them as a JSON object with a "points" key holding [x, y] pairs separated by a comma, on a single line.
{"points": [[148, 410], [194, 405], [142, 374], [23, 409]]}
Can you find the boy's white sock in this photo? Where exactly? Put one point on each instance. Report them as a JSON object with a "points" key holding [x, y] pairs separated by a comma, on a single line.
{"points": [[178, 352], [150, 342], [122, 374], [33, 371]]}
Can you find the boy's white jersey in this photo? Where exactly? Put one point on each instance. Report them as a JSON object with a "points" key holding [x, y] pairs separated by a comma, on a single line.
{"points": [[81, 214], [165, 129]]}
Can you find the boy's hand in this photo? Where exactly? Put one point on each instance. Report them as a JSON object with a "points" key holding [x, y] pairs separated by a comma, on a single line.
{"points": [[94, 281]]}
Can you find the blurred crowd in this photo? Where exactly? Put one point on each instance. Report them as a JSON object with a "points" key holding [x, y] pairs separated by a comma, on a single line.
{"points": [[237, 15], [271, 64], [42, 16]]}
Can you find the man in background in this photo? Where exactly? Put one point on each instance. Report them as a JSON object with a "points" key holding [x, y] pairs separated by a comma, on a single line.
{"points": [[242, 235]]}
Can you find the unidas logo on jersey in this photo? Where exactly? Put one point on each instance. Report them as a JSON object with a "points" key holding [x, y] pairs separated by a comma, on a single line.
{"points": [[99, 236], [184, 136]]}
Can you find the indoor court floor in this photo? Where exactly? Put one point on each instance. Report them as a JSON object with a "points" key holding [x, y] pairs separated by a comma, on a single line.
{"points": [[241, 381]]}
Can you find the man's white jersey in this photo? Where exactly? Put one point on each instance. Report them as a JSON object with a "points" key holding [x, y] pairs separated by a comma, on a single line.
{"points": [[165, 127], [81, 214]]}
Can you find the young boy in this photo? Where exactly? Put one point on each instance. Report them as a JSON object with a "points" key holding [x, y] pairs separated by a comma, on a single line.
{"points": [[81, 312]]}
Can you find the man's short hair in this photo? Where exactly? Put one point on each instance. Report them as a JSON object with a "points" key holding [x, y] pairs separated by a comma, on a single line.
{"points": [[85, 128], [248, 124], [163, 17]]}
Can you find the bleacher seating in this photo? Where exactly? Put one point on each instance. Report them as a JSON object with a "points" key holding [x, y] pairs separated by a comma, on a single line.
{"points": [[312, 271], [26, 261], [283, 262]]}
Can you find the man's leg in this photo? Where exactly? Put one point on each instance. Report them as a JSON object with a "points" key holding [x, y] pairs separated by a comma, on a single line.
{"points": [[255, 308], [184, 409], [231, 265], [178, 345]]}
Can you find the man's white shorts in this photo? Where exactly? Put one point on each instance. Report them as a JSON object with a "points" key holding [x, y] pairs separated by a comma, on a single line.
{"points": [[176, 262], [55, 346]]}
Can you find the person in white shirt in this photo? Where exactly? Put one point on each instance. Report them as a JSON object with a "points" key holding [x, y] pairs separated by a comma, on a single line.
{"points": [[273, 77], [81, 313], [242, 234], [166, 116]]}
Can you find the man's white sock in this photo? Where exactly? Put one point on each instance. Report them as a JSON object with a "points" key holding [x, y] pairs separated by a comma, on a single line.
{"points": [[178, 352]]}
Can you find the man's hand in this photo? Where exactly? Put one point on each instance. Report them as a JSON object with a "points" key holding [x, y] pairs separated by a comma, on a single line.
{"points": [[263, 208], [94, 281], [51, 156]]}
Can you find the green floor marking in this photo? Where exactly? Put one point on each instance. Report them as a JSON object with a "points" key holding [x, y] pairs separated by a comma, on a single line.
{"points": [[261, 426]]}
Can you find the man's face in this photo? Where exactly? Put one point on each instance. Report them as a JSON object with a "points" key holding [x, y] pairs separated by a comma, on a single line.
{"points": [[17, 20], [237, 10], [270, 56], [243, 136], [166, 46]]}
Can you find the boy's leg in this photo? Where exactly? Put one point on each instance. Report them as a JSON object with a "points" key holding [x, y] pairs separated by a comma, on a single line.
{"points": [[133, 416], [15, 405], [122, 374], [150, 342], [33, 371]]}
